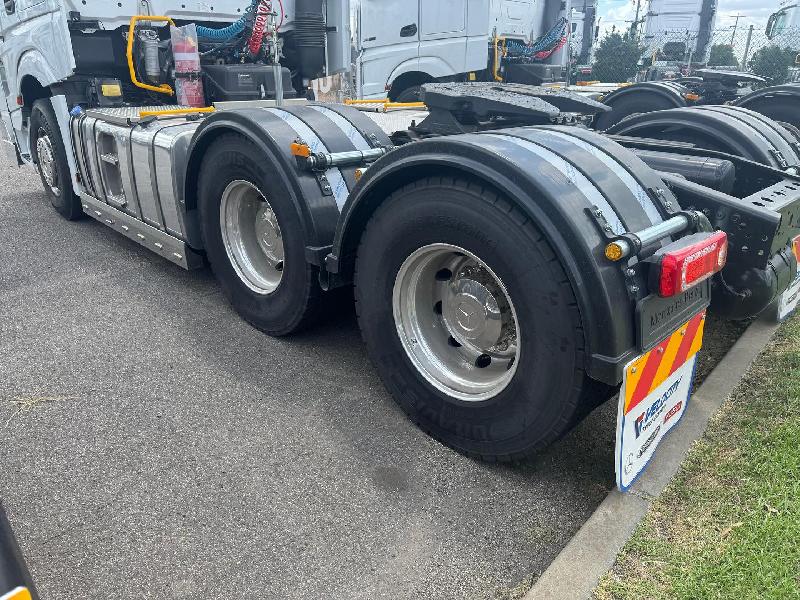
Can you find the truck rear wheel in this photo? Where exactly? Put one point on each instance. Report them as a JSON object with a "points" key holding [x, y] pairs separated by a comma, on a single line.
{"points": [[471, 320], [49, 153], [254, 241]]}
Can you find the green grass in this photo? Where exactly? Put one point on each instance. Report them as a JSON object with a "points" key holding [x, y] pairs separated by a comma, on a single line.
{"points": [[728, 526]]}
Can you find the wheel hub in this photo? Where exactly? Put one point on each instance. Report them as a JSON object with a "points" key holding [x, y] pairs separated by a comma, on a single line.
{"points": [[456, 322], [47, 161], [471, 314], [268, 234], [252, 236]]}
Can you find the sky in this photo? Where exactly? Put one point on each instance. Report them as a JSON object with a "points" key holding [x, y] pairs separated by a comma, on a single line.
{"points": [[620, 13]]}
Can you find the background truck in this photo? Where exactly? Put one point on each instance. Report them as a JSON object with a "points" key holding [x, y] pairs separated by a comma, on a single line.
{"points": [[783, 26], [508, 263], [679, 30], [453, 40]]}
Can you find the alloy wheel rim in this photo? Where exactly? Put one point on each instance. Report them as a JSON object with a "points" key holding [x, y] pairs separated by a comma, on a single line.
{"points": [[456, 322], [252, 237]]}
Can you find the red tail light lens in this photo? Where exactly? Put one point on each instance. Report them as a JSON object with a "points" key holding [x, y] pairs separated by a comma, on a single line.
{"points": [[796, 248], [685, 267]]}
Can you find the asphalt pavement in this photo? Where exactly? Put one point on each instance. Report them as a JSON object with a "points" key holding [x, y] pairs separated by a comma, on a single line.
{"points": [[156, 446]]}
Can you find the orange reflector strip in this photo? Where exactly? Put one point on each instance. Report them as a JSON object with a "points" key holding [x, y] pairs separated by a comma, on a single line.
{"points": [[652, 369], [301, 150], [692, 97]]}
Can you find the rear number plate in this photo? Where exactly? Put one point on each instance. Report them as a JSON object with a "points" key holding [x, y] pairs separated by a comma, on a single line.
{"points": [[653, 397]]}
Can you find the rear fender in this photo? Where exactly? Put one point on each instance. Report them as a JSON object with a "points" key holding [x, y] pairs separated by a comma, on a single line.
{"points": [[560, 182]]}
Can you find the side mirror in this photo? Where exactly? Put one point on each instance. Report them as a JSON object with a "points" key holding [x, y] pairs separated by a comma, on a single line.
{"points": [[11, 7], [770, 29]]}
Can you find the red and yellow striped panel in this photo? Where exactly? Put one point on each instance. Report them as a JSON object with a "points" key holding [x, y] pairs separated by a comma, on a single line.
{"points": [[650, 370]]}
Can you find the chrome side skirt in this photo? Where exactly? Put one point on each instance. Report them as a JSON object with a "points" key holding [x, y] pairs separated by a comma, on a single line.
{"points": [[160, 242]]}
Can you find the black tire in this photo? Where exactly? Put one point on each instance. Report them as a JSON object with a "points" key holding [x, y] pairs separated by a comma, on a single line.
{"points": [[630, 105], [412, 94], [549, 391], [296, 301], [60, 194]]}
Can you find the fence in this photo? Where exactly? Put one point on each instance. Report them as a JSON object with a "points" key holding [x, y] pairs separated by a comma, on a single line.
{"points": [[625, 57]]}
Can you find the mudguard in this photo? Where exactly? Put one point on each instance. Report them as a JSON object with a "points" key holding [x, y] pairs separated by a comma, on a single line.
{"points": [[730, 129], [779, 102], [325, 128], [576, 185], [641, 97]]}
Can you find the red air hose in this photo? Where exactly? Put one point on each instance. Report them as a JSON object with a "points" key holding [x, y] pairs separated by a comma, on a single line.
{"points": [[260, 25]]}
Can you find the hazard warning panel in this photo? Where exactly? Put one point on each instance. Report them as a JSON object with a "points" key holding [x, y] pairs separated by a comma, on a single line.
{"points": [[653, 397]]}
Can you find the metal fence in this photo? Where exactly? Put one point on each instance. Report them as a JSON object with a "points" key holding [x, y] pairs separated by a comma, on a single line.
{"points": [[623, 56]]}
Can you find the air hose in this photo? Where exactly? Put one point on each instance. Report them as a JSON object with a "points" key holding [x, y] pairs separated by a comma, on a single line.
{"points": [[544, 46], [226, 33]]}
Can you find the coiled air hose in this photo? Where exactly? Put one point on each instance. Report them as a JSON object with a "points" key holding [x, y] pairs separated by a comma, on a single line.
{"points": [[226, 33]]}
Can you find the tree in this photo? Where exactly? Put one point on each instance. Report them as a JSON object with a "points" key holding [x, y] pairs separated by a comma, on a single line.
{"points": [[617, 58], [772, 63], [722, 56]]}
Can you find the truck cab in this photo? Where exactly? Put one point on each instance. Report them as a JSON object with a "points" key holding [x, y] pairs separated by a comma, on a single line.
{"points": [[48, 45], [420, 43], [783, 26]]}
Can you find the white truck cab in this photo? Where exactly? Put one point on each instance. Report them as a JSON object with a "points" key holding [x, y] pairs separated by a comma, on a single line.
{"points": [[783, 26], [402, 44], [37, 49], [405, 44]]}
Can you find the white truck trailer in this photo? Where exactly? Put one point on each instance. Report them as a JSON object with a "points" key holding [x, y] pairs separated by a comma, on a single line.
{"points": [[511, 268]]}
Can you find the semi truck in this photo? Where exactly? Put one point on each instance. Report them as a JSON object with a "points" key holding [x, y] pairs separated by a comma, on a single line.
{"points": [[679, 30], [455, 40], [783, 26], [511, 268]]}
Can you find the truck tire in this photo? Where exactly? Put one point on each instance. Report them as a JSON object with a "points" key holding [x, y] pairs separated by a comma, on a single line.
{"points": [[641, 102], [412, 94], [253, 239], [47, 149], [471, 320]]}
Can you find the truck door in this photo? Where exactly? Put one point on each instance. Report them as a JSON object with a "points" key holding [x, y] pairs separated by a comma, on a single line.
{"points": [[9, 17], [443, 34], [388, 34]]}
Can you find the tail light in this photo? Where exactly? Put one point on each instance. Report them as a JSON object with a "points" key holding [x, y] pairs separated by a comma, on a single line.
{"points": [[796, 248], [686, 266]]}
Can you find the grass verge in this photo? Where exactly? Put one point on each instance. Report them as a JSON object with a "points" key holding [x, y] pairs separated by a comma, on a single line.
{"points": [[728, 526]]}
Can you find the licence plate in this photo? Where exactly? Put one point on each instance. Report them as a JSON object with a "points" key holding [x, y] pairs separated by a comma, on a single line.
{"points": [[653, 398], [789, 299]]}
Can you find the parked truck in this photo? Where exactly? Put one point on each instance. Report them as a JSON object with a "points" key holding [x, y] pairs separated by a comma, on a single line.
{"points": [[511, 267], [456, 40]]}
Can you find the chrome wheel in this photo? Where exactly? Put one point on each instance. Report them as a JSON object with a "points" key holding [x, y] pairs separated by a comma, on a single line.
{"points": [[252, 236], [456, 322], [47, 161]]}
